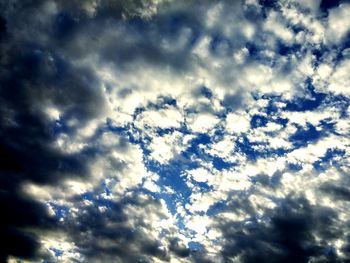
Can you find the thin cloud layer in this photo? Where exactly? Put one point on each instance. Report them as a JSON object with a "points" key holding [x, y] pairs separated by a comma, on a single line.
{"points": [[174, 131]]}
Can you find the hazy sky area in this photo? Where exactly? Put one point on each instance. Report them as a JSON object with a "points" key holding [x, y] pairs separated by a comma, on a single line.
{"points": [[180, 131]]}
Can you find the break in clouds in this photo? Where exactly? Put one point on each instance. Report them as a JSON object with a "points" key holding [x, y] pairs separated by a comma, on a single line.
{"points": [[175, 131]]}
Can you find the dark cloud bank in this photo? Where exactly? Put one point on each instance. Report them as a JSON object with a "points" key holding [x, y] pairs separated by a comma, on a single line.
{"points": [[37, 71], [29, 81]]}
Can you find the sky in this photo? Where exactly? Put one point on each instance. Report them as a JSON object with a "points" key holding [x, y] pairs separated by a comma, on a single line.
{"points": [[175, 131]]}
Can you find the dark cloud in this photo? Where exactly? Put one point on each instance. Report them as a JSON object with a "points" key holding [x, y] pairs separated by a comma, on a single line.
{"points": [[116, 234], [179, 249], [32, 78], [114, 8], [37, 72], [295, 231], [325, 5], [20, 213], [234, 101], [337, 192], [2, 27], [64, 26]]}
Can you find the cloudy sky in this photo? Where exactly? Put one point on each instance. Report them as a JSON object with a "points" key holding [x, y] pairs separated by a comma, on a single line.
{"points": [[175, 131]]}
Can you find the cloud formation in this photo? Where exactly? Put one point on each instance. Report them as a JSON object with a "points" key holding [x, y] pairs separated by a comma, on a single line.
{"points": [[174, 131]]}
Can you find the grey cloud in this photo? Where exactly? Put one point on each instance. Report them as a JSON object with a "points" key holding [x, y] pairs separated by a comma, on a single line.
{"points": [[285, 234], [337, 192], [118, 9], [110, 235], [32, 78]]}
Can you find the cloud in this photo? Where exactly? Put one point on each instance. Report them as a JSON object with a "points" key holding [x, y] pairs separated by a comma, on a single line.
{"points": [[34, 78], [337, 23], [119, 232], [201, 123], [165, 148], [165, 131], [289, 235], [125, 9]]}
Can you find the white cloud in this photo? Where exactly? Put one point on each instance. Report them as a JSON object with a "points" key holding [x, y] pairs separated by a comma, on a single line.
{"points": [[339, 81], [202, 122], [164, 148], [151, 186], [311, 117], [68, 250], [338, 23], [313, 151], [53, 113], [223, 148], [237, 122], [200, 175], [274, 25], [164, 118]]}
